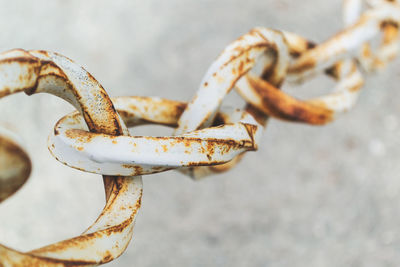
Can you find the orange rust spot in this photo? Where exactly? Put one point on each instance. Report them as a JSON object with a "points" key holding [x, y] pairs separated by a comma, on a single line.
{"points": [[366, 51], [187, 144], [134, 107], [137, 169], [278, 104], [165, 148], [390, 31], [241, 67], [249, 60], [43, 52], [79, 135], [107, 257]]}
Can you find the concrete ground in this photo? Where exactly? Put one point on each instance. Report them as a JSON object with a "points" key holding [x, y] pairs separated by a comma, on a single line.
{"points": [[311, 196]]}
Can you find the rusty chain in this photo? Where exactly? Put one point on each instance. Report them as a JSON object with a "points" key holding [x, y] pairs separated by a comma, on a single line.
{"points": [[208, 138]]}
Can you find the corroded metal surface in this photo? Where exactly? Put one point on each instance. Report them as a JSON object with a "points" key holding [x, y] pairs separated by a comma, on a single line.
{"points": [[39, 71], [15, 164], [209, 137]]}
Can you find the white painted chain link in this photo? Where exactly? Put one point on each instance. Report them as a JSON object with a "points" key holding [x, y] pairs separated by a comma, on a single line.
{"points": [[208, 138]]}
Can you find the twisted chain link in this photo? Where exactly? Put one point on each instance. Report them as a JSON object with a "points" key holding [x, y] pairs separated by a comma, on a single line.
{"points": [[208, 138]]}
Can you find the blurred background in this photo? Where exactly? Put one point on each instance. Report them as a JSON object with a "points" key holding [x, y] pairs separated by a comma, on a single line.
{"points": [[311, 196]]}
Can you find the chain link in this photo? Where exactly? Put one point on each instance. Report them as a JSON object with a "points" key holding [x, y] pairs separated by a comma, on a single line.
{"points": [[208, 138]]}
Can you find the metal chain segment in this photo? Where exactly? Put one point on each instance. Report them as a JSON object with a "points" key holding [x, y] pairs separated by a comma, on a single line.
{"points": [[99, 153], [108, 237], [208, 138]]}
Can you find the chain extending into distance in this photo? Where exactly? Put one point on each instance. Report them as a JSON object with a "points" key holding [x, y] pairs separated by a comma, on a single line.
{"points": [[208, 138]]}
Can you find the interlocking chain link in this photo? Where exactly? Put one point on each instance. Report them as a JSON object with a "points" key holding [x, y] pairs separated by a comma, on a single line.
{"points": [[209, 138]]}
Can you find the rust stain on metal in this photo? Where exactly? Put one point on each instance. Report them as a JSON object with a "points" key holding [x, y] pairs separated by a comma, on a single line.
{"points": [[278, 104], [38, 70], [15, 165]]}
